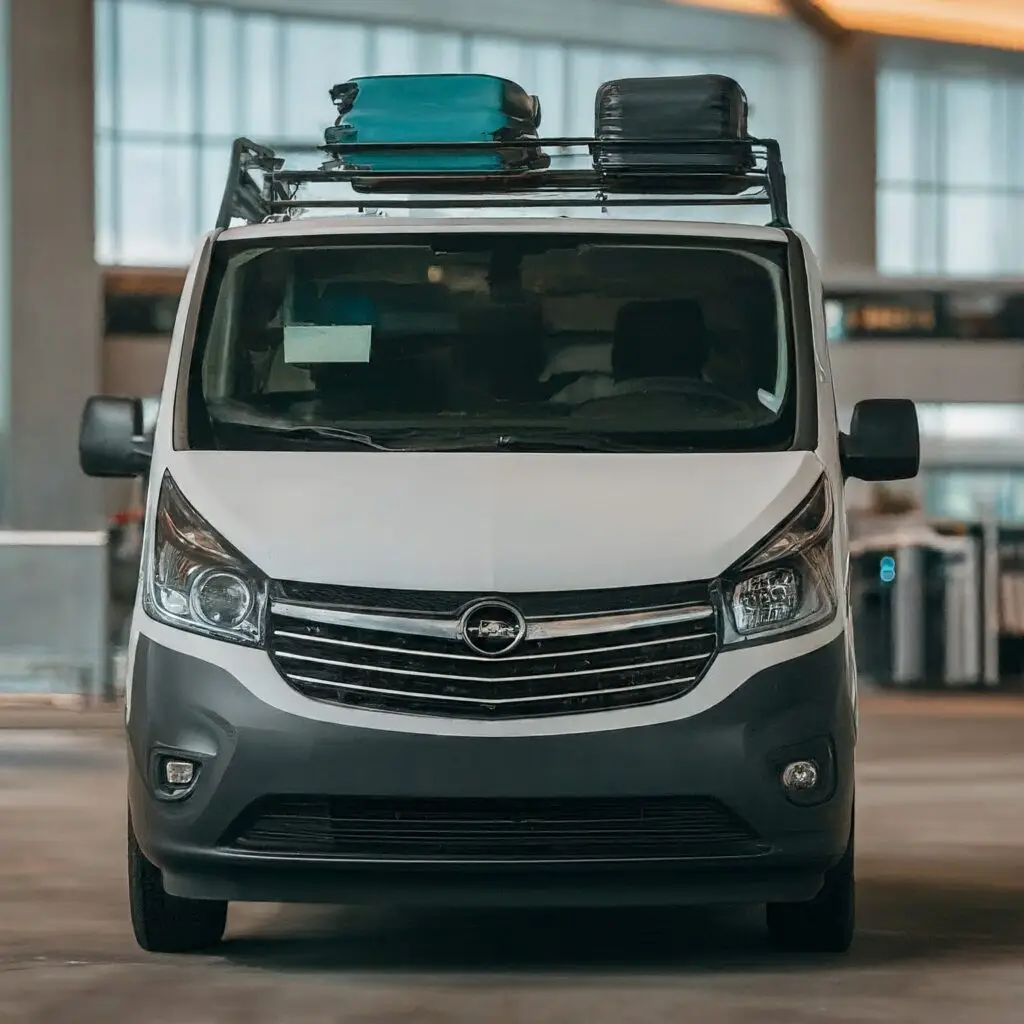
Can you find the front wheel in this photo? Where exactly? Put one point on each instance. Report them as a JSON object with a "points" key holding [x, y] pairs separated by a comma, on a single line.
{"points": [[168, 924], [824, 924]]}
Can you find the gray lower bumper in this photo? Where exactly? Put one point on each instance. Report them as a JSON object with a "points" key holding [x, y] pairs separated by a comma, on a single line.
{"points": [[250, 750]]}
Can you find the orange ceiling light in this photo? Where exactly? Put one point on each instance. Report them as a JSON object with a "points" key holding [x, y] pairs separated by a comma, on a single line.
{"points": [[994, 23], [770, 8], [997, 23]]}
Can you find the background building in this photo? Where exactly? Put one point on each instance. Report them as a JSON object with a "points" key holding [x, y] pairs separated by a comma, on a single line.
{"points": [[901, 124]]}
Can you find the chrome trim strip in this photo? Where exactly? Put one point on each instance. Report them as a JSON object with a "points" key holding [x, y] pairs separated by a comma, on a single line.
{"points": [[555, 628], [441, 629], [448, 629], [406, 694], [645, 609], [453, 656], [309, 659]]}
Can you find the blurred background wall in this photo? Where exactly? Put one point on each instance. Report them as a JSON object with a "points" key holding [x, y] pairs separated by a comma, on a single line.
{"points": [[901, 124]]}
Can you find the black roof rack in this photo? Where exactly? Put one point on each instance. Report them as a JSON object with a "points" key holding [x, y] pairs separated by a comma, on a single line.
{"points": [[276, 194]]}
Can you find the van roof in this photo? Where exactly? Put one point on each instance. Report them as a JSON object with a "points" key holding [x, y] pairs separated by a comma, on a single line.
{"points": [[373, 225]]}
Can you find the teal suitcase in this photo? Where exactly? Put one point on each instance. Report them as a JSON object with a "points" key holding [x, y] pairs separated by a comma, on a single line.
{"points": [[436, 109]]}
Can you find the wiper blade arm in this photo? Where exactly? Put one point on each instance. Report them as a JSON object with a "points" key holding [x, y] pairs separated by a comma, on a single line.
{"points": [[565, 443], [309, 431], [338, 434]]}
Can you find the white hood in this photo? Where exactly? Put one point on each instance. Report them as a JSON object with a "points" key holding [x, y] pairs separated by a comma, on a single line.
{"points": [[493, 522]]}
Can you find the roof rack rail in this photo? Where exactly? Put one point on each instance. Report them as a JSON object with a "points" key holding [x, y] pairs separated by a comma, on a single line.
{"points": [[277, 194]]}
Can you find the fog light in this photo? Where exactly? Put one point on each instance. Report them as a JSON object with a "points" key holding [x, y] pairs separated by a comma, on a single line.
{"points": [[179, 773], [800, 776]]}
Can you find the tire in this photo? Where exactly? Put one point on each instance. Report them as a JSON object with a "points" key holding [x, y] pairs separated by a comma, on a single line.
{"points": [[825, 924], [168, 924]]}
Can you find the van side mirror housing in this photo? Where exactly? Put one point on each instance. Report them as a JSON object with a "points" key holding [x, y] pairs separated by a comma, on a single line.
{"points": [[884, 442], [111, 440]]}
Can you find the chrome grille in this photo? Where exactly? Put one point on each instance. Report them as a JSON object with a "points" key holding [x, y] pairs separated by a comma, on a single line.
{"points": [[418, 663]]}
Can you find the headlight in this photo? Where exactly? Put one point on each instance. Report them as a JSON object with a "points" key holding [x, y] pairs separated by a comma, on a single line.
{"points": [[788, 583], [195, 580]]}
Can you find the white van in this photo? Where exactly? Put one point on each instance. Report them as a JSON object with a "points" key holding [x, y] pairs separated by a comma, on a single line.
{"points": [[494, 561]]}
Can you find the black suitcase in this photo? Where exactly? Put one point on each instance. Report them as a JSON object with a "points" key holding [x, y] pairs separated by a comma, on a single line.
{"points": [[702, 108]]}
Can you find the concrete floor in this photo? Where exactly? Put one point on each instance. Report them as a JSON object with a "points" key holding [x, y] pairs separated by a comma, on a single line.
{"points": [[941, 869]]}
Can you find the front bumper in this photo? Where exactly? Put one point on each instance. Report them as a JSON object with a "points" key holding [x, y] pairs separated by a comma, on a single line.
{"points": [[730, 752]]}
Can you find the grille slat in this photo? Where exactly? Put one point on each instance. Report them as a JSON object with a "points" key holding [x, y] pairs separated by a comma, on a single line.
{"points": [[284, 634], [613, 657], [482, 830], [484, 701], [448, 604], [448, 676]]}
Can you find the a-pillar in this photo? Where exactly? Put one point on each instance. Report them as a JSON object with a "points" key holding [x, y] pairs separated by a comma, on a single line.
{"points": [[849, 139], [50, 291]]}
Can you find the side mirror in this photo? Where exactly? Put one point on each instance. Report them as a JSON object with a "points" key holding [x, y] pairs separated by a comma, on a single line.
{"points": [[884, 442], [111, 441]]}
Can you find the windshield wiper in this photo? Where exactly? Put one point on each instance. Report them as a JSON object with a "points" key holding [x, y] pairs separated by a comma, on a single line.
{"points": [[462, 439], [308, 432], [565, 442]]}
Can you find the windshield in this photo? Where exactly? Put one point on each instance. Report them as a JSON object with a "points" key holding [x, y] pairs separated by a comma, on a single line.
{"points": [[482, 341]]}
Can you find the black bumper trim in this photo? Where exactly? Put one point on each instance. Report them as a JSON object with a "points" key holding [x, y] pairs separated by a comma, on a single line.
{"points": [[729, 753], [616, 886]]}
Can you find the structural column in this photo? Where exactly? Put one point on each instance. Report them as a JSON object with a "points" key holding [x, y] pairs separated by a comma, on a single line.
{"points": [[849, 72], [50, 289]]}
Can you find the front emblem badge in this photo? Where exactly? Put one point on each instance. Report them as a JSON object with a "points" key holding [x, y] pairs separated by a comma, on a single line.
{"points": [[492, 628]]}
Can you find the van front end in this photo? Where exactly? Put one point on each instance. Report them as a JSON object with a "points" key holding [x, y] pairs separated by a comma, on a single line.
{"points": [[646, 744], [738, 789]]}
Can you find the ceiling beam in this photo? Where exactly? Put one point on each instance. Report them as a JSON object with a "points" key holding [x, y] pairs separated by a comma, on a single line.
{"points": [[818, 20]]}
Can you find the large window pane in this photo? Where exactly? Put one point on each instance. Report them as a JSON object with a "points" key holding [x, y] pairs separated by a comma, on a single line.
{"points": [[213, 176], [508, 58], [1014, 227], [930, 231], [1005, 235], [145, 67], [219, 79], [670, 64], [587, 72], [260, 77], [897, 126], [929, 138], [142, 204], [627, 64], [180, 69], [395, 52], [106, 243], [970, 136], [155, 187], [317, 55], [173, 71], [549, 85], [438, 52], [896, 227], [105, 51], [1015, 132], [1004, 131], [970, 241]]}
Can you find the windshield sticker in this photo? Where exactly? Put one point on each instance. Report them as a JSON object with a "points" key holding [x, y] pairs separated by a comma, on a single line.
{"points": [[340, 343]]}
